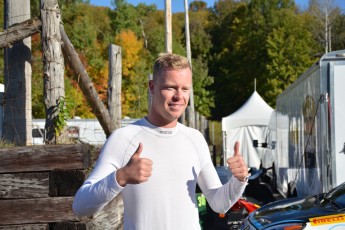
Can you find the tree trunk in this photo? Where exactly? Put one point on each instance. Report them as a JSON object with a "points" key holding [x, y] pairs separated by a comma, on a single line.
{"points": [[17, 96], [53, 73]]}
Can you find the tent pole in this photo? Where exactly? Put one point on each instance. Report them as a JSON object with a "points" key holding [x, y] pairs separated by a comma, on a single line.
{"points": [[224, 150]]}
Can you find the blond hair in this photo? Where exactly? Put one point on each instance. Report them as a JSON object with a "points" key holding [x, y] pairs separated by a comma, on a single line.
{"points": [[169, 61]]}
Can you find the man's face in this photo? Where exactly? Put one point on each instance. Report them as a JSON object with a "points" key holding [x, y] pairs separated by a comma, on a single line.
{"points": [[170, 95]]}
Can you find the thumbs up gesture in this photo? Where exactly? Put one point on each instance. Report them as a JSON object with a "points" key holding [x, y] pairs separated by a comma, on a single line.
{"points": [[136, 171], [236, 164]]}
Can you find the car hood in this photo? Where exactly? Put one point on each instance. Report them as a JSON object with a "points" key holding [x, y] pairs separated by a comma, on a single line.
{"points": [[289, 210]]}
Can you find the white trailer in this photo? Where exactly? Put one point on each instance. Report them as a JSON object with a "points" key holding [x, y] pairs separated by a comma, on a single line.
{"points": [[309, 153], [83, 130]]}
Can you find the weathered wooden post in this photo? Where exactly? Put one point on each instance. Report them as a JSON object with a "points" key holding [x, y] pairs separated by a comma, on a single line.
{"points": [[168, 28], [149, 99], [54, 88], [86, 85], [197, 121], [114, 85], [17, 96]]}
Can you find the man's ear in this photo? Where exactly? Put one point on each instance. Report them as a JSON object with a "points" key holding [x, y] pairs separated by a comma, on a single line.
{"points": [[151, 86]]}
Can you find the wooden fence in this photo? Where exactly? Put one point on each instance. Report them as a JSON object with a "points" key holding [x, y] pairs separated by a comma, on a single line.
{"points": [[37, 186]]}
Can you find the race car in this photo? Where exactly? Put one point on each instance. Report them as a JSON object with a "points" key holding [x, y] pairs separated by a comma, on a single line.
{"points": [[322, 211]]}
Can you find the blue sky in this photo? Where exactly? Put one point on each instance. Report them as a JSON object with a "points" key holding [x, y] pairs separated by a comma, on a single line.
{"points": [[178, 5]]}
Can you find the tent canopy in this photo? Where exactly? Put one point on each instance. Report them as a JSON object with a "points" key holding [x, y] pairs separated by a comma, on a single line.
{"points": [[248, 123], [255, 111]]}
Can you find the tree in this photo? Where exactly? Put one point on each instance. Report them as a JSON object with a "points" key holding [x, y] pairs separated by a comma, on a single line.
{"points": [[199, 36], [197, 6], [262, 40], [203, 96], [126, 16], [338, 32], [324, 13], [289, 47], [135, 76], [89, 30]]}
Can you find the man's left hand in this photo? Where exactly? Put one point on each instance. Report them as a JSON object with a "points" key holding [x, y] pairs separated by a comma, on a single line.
{"points": [[236, 164]]}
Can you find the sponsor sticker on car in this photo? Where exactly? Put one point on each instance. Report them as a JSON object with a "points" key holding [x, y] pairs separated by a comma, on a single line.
{"points": [[330, 219]]}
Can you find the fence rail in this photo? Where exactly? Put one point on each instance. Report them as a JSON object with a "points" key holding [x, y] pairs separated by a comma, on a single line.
{"points": [[38, 183]]}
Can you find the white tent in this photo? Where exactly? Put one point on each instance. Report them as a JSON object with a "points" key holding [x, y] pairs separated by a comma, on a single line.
{"points": [[248, 123]]}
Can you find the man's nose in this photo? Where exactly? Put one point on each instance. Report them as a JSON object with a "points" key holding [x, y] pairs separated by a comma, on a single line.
{"points": [[178, 94]]}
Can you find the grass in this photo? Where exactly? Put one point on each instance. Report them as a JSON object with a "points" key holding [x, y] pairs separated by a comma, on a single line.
{"points": [[6, 144]]}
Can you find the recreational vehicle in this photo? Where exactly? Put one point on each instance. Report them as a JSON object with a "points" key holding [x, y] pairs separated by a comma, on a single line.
{"points": [[309, 142]]}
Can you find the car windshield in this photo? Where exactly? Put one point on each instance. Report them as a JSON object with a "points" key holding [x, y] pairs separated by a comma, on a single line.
{"points": [[335, 197]]}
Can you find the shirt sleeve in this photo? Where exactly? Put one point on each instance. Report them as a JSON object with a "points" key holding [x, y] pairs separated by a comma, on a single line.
{"points": [[92, 197], [220, 197], [101, 185]]}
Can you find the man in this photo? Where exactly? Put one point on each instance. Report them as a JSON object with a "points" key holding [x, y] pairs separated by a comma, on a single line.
{"points": [[156, 162]]}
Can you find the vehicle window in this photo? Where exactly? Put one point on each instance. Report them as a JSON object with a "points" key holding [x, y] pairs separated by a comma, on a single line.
{"points": [[337, 195], [37, 132], [340, 200]]}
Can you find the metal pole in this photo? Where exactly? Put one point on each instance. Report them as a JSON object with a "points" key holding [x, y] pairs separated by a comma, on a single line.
{"points": [[191, 116]]}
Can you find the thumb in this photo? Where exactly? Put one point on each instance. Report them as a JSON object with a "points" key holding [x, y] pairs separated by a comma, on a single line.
{"points": [[237, 149], [138, 151]]}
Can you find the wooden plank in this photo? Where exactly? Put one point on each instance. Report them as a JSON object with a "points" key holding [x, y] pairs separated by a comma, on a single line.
{"points": [[111, 217], [59, 210], [38, 210], [24, 185], [26, 227], [46, 157], [65, 183], [69, 226]]}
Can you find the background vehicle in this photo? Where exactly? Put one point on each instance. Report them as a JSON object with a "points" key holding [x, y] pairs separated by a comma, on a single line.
{"points": [[308, 124], [322, 211], [259, 186]]}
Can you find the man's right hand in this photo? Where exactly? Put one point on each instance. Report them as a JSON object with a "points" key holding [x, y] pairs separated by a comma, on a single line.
{"points": [[136, 171]]}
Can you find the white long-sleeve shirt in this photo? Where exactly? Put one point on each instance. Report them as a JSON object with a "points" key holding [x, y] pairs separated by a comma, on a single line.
{"points": [[180, 157]]}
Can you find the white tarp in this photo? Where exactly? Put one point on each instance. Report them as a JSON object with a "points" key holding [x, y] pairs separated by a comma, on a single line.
{"points": [[248, 123]]}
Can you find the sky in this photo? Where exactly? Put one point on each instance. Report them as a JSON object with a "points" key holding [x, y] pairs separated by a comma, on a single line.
{"points": [[178, 5]]}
